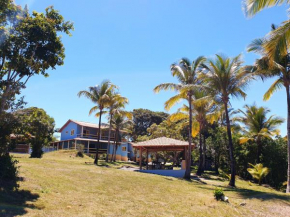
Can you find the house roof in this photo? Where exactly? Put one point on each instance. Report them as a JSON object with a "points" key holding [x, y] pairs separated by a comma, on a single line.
{"points": [[84, 124], [161, 142]]}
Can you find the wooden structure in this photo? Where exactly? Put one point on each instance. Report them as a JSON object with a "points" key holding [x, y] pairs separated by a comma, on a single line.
{"points": [[159, 144]]}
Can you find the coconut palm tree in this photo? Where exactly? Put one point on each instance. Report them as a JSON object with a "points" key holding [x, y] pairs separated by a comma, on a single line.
{"points": [[223, 78], [258, 126], [204, 111], [120, 121], [116, 105], [99, 95], [186, 73], [268, 67], [258, 172], [277, 37]]}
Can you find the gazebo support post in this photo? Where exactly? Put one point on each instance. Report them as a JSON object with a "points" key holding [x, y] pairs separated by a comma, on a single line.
{"points": [[147, 159], [140, 158]]}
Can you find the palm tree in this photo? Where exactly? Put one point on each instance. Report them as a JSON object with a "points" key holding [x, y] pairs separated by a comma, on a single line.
{"points": [[186, 74], [278, 38], [258, 172], [99, 95], [223, 78], [120, 121], [116, 105], [204, 111], [267, 67], [258, 126]]}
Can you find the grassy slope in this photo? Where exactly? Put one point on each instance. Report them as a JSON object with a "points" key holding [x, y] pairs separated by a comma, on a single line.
{"points": [[61, 185]]}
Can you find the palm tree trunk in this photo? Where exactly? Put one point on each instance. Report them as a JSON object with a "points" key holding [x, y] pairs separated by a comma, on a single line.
{"points": [[288, 140], [109, 139], [99, 137], [204, 154], [188, 160], [259, 150], [231, 148], [200, 164], [116, 145]]}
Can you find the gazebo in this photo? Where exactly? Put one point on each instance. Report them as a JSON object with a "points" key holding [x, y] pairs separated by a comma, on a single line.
{"points": [[162, 144]]}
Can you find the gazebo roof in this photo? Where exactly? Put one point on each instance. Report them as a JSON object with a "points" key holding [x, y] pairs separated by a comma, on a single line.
{"points": [[162, 143]]}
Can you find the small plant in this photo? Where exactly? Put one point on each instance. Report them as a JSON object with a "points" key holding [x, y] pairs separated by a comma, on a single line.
{"points": [[80, 149], [218, 194], [258, 172]]}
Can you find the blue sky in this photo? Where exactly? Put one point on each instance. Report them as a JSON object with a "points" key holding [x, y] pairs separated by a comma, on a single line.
{"points": [[133, 42]]}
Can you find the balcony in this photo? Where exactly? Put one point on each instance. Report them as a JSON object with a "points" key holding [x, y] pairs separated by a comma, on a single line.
{"points": [[94, 136]]}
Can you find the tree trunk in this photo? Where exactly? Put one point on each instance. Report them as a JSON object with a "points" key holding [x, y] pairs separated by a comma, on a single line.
{"points": [[200, 163], [259, 150], [109, 139], [231, 148], [204, 155], [288, 138], [99, 137], [116, 145], [188, 160]]}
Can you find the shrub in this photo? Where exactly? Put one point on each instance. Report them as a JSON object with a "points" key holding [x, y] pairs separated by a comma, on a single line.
{"points": [[8, 172], [80, 149], [218, 194]]}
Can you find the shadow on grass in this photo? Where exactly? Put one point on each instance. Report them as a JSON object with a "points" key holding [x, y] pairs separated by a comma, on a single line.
{"points": [[252, 194], [14, 202]]}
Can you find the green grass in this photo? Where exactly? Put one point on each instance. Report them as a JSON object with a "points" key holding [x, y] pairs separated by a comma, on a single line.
{"points": [[60, 184]]}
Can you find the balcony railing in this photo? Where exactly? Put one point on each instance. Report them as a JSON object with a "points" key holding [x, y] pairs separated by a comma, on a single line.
{"points": [[93, 136]]}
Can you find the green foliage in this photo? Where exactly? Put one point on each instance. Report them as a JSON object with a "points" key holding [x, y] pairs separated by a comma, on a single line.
{"points": [[80, 150], [8, 172], [218, 194], [143, 119], [37, 123], [258, 172], [30, 44]]}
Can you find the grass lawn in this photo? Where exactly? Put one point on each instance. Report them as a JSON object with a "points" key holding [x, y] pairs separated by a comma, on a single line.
{"points": [[60, 184]]}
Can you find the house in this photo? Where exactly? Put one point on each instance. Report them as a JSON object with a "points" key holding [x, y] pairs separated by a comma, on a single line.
{"points": [[74, 133]]}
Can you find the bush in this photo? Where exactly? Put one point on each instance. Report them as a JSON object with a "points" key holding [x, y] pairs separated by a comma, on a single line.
{"points": [[218, 194], [80, 149], [8, 172]]}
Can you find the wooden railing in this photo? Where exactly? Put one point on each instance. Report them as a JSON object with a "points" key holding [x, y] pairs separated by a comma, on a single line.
{"points": [[93, 136]]}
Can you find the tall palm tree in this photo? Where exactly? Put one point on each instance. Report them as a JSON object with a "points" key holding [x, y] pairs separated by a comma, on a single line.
{"points": [[186, 74], [116, 105], [204, 111], [223, 78], [99, 95], [267, 67], [277, 37], [258, 126], [120, 121]]}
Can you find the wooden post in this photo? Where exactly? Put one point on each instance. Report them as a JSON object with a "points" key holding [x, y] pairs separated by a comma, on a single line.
{"points": [[62, 145], [82, 133], [147, 159], [88, 146], [57, 145], [75, 144], [140, 158]]}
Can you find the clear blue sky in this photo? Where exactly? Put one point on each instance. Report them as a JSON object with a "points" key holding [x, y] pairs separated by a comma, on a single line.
{"points": [[133, 42]]}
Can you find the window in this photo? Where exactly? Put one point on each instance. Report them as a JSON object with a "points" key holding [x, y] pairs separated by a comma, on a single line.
{"points": [[72, 132], [124, 148]]}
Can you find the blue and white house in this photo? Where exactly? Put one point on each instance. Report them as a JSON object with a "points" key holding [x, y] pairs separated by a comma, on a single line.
{"points": [[74, 133]]}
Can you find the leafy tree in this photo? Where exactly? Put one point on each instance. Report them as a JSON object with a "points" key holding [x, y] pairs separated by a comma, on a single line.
{"points": [[143, 119], [36, 122], [258, 126], [258, 172], [186, 73], [99, 95], [274, 64], [223, 78], [29, 45]]}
